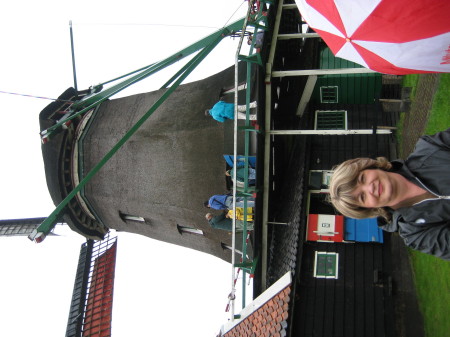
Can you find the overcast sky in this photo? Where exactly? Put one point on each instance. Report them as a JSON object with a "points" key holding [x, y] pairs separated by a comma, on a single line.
{"points": [[161, 289]]}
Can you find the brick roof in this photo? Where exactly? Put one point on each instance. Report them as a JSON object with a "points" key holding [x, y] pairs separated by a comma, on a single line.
{"points": [[269, 317]]}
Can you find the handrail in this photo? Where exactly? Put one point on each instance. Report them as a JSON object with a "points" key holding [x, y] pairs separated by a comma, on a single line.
{"points": [[245, 192], [233, 236]]}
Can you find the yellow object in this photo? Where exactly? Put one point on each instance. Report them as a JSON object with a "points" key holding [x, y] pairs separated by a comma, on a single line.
{"points": [[240, 213]]}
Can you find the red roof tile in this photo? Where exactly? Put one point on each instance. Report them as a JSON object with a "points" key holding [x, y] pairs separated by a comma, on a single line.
{"points": [[269, 320]]}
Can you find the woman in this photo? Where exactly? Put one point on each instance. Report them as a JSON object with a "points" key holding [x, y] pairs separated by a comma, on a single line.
{"points": [[411, 197]]}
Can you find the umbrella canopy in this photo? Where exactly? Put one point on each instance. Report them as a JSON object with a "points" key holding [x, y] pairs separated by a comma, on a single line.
{"points": [[388, 36]]}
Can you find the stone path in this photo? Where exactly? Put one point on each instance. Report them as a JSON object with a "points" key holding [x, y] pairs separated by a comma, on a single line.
{"points": [[416, 119]]}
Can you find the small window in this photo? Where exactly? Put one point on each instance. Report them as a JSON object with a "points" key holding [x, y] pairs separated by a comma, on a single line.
{"points": [[326, 265], [331, 120], [128, 217], [228, 247], [329, 94], [185, 229]]}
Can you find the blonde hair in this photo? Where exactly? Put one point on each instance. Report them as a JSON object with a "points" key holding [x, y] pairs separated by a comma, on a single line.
{"points": [[343, 182]]}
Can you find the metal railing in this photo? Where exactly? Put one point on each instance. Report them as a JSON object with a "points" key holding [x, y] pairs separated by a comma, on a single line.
{"points": [[254, 21]]}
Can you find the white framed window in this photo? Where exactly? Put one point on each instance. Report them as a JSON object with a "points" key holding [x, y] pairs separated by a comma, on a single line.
{"points": [[330, 120], [326, 265], [191, 230], [329, 94]]}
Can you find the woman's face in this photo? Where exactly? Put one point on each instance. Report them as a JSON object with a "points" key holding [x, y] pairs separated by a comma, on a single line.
{"points": [[376, 188]]}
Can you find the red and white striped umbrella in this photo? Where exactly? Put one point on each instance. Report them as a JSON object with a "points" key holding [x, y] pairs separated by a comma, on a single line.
{"points": [[388, 36]]}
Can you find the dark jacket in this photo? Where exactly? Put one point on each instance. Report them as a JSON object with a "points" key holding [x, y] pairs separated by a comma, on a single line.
{"points": [[425, 226], [221, 222]]}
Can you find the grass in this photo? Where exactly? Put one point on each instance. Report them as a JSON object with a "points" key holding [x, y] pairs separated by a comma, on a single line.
{"points": [[432, 275], [411, 81], [440, 114], [432, 279]]}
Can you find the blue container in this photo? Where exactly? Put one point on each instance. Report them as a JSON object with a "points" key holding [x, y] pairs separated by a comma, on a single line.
{"points": [[362, 230]]}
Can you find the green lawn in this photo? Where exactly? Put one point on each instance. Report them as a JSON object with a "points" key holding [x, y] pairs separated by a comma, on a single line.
{"points": [[432, 278], [440, 114], [432, 275]]}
